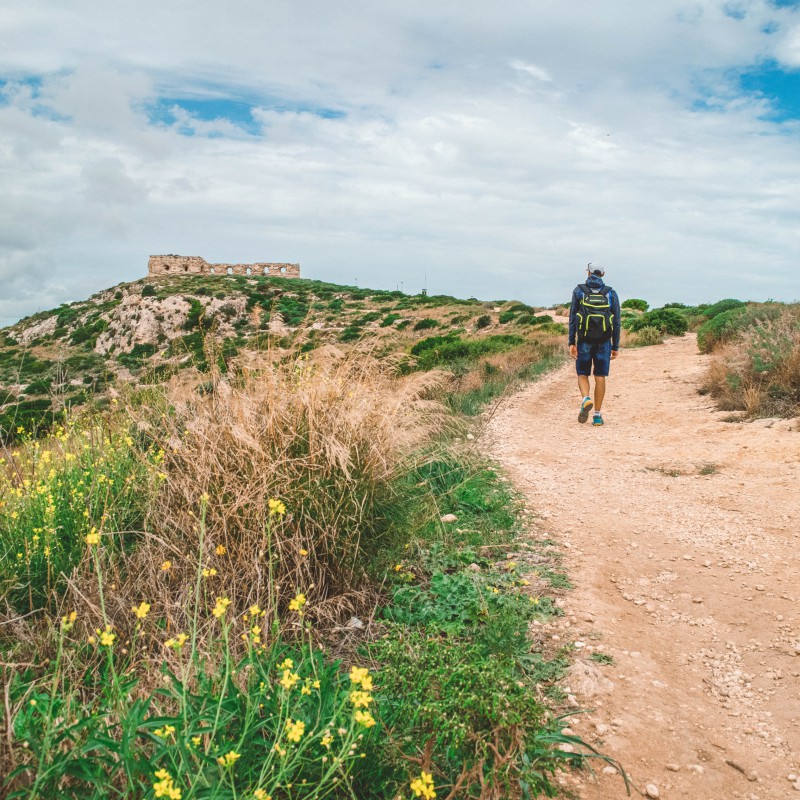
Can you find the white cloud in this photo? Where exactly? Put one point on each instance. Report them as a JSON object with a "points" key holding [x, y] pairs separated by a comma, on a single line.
{"points": [[496, 150]]}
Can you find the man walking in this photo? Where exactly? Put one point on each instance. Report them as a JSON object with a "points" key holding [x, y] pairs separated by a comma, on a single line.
{"points": [[594, 323]]}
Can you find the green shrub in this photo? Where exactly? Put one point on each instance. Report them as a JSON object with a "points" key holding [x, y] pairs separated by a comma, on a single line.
{"points": [[667, 320], [389, 319], [148, 290], [645, 337], [506, 317], [721, 327], [425, 323], [636, 304], [722, 306], [483, 321], [351, 333], [437, 350], [41, 386]]}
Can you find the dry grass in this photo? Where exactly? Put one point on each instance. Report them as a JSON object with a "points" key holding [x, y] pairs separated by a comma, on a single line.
{"points": [[325, 435], [759, 371]]}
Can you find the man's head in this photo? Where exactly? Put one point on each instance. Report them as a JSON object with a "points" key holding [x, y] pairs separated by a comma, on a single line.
{"points": [[593, 268]]}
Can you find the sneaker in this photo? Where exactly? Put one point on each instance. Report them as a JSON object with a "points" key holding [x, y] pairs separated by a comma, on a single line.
{"points": [[597, 419], [586, 407]]}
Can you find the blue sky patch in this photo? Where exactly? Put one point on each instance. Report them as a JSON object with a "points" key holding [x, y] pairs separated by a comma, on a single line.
{"points": [[781, 87], [236, 111]]}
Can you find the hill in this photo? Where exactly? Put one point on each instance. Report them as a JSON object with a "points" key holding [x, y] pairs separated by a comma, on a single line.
{"points": [[143, 332]]}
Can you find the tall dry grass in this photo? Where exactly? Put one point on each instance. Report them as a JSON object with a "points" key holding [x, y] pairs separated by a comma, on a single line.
{"points": [[758, 371], [324, 435]]}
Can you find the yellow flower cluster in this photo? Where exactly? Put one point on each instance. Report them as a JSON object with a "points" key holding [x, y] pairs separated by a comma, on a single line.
{"points": [[361, 698], [423, 786], [178, 642], [229, 759], [93, 537], [221, 607], [68, 620], [295, 730], [142, 610], [165, 786], [165, 732], [298, 603], [260, 794], [276, 507]]}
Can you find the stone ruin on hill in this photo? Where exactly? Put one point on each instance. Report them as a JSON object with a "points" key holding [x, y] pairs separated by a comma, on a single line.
{"points": [[161, 266]]}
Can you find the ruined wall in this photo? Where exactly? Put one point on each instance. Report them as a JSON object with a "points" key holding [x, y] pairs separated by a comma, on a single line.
{"points": [[160, 266]]}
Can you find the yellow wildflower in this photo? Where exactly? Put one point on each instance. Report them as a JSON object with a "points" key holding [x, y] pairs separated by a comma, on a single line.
{"points": [[196, 740], [255, 611], [289, 679], [260, 794], [229, 759], [220, 551], [221, 607], [165, 787], [142, 610], [306, 689], [295, 730], [107, 637], [364, 718], [165, 732], [298, 603], [209, 573], [287, 663], [68, 620], [361, 699], [303, 551], [423, 786], [276, 507], [326, 740], [166, 565], [93, 537], [315, 684], [178, 642]]}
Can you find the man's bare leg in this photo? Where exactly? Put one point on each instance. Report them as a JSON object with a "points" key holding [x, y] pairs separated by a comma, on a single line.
{"points": [[583, 385], [599, 391]]}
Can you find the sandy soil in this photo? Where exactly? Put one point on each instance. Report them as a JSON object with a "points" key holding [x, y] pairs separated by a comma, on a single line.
{"points": [[680, 532]]}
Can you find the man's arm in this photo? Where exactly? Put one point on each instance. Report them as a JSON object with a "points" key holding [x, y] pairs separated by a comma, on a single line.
{"points": [[617, 320], [573, 317]]}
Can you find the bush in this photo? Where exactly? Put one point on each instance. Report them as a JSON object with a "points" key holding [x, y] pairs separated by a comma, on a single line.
{"points": [[636, 304], [438, 350], [389, 319], [722, 306], [506, 317], [483, 322], [758, 369], [645, 337], [148, 290], [721, 327], [665, 320], [425, 324]]}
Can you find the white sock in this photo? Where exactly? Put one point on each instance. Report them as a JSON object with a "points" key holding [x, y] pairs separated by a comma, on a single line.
{"points": [[597, 413]]}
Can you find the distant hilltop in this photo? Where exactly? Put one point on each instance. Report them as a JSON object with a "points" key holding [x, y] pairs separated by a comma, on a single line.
{"points": [[159, 266]]}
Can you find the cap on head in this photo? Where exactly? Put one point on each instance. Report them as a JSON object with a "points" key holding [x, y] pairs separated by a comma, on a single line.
{"points": [[593, 268]]}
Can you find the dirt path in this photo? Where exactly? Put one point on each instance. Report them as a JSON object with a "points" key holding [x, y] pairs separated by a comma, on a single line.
{"points": [[681, 533]]}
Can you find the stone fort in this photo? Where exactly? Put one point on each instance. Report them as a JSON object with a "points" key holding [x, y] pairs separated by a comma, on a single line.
{"points": [[160, 266]]}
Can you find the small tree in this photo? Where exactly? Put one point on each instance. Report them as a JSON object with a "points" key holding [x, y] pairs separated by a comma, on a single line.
{"points": [[636, 304]]}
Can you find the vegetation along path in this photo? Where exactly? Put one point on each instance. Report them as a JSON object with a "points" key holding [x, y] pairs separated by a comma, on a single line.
{"points": [[681, 533]]}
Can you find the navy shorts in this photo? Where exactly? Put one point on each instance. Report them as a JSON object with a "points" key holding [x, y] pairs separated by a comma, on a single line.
{"points": [[593, 353]]}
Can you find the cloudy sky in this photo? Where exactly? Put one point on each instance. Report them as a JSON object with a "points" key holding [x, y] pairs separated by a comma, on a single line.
{"points": [[488, 148]]}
